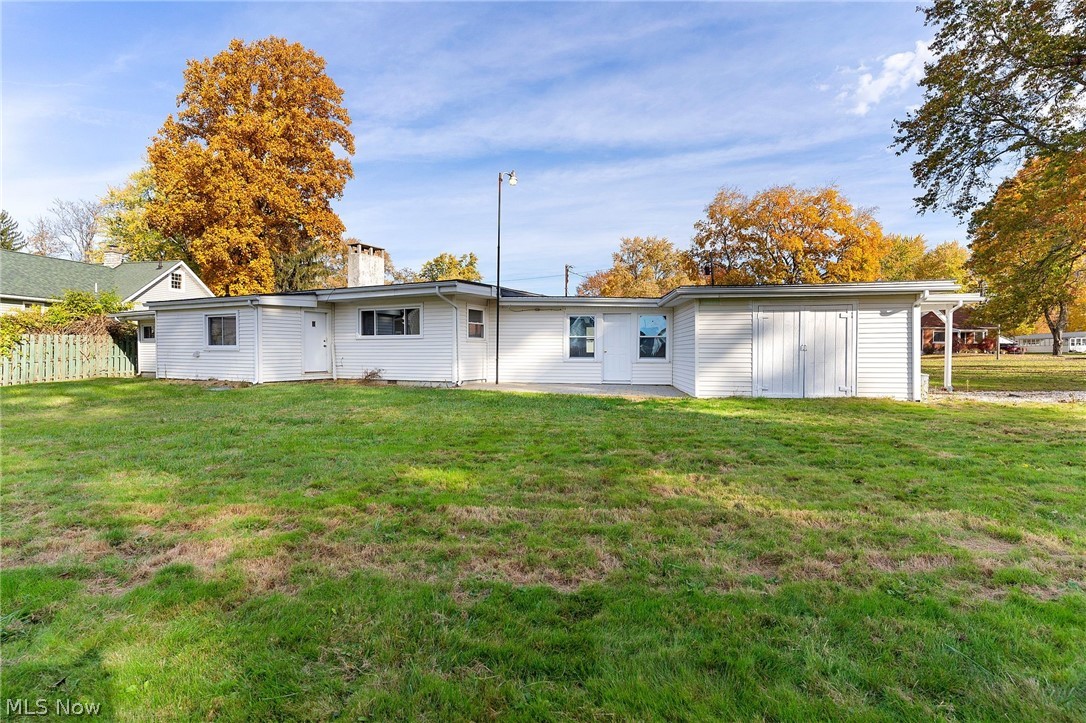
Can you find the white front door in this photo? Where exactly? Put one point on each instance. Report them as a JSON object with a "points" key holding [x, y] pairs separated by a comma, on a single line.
{"points": [[617, 348], [826, 351], [804, 351], [314, 341], [779, 357]]}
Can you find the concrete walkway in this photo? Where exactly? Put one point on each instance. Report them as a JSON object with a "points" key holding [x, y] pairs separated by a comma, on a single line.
{"points": [[630, 391]]}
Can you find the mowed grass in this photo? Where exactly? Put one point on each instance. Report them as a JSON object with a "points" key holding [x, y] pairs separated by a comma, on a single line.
{"points": [[312, 551], [1011, 372]]}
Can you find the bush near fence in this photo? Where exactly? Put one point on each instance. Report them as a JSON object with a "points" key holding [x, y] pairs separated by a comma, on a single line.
{"points": [[63, 357]]}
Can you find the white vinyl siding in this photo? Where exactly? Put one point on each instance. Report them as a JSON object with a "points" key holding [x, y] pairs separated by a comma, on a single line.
{"points": [[883, 347], [534, 347], [181, 338], [724, 348], [162, 291], [281, 345], [427, 357], [682, 348]]}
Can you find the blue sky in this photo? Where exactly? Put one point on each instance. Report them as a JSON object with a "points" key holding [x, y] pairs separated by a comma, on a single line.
{"points": [[620, 119]]}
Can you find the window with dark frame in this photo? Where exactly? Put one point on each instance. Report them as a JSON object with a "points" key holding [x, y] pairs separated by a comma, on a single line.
{"points": [[148, 332], [390, 322], [652, 336], [582, 337], [175, 280], [476, 324], [222, 330]]}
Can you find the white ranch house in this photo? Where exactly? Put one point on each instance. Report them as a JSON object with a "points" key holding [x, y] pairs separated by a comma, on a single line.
{"points": [[832, 340]]}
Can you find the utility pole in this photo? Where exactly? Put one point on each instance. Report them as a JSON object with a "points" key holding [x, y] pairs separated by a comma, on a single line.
{"points": [[568, 267]]}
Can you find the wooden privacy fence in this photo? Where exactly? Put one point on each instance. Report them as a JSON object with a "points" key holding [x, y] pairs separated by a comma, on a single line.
{"points": [[61, 357]]}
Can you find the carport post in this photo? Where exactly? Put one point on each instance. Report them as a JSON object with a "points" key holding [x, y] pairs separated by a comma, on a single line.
{"points": [[948, 346]]}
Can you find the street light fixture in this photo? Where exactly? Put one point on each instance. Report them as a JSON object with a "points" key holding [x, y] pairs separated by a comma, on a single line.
{"points": [[502, 176]]}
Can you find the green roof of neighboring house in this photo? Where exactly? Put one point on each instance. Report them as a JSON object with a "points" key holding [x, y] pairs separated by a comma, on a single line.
{"points": [[44, 277]]}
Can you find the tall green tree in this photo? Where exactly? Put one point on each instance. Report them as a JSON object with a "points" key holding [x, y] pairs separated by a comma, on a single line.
{"points": [[125, 225], [903, 256], [448, 266], [11, 238], [246, 172], [1008, 82]]}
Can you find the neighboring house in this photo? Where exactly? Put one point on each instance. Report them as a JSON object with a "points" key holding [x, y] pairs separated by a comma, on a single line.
{"points": [[1074, 342], [968, 333], [27, 281], [708, 341]]}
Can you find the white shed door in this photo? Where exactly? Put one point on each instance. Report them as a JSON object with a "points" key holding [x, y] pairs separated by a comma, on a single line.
{"points": [[780, 364], [804, 351], [826, 351], [617, 348], [314, 341]]}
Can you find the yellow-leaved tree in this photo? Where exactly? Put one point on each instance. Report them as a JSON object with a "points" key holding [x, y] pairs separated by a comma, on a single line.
{"points": [[245, 173], [788, 235]]}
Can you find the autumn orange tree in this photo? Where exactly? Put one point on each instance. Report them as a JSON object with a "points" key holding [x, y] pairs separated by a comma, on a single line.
{"points": [[1029, 244], [643, 266], [245, 173], [787, 235]]}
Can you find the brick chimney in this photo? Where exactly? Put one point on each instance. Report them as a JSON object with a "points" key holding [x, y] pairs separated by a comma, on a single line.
{"points": [[112, 257], [365, 264]]}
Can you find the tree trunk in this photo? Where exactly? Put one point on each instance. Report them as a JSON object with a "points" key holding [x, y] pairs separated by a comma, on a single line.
{"points": [[1056, 318]]}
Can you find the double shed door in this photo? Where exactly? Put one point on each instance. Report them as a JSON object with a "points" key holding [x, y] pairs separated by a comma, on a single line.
{"points": [[804, 351]]}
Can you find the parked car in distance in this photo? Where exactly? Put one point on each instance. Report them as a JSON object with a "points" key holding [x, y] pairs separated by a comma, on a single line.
{"points": [[1011, 348]]}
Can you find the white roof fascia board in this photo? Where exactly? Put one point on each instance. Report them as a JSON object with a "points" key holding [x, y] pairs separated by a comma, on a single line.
{"points": [[306, 301], [772, 291], [565, 301], [28, 298], [361, 293]]}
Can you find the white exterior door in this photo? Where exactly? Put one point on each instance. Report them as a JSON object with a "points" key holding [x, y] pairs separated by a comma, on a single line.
{"points": [[826, 351], [146, 352], [779, 354], [314, 341], [804, 351], [617, 348]]}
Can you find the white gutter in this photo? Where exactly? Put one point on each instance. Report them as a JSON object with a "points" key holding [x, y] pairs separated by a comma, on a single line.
{"points": [[456, 334]]}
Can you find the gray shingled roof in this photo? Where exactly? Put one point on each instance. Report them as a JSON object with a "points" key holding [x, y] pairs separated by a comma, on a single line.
{"points": [[43, 277]]}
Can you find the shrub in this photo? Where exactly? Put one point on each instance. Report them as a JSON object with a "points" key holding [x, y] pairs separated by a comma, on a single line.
{"points": [[78, 312]]}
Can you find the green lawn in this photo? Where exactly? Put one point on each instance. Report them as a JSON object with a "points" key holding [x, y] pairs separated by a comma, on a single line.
{"points": [[308, 551], [1011, 372]]}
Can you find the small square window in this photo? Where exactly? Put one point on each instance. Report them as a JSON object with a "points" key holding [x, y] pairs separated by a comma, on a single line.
{"points": [[222, 330], [476, 324], [175, 280], [148, 332]]}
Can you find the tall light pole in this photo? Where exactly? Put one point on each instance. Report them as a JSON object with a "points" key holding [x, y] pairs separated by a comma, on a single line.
{"points": [[512, 176]]}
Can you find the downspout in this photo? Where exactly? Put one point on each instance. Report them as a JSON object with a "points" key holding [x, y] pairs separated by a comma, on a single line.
{"points": [[256, 341], [332, 341], [456, 334]]}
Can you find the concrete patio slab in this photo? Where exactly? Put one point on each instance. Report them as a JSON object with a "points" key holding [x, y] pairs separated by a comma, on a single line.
{"points": [[630, 391]]}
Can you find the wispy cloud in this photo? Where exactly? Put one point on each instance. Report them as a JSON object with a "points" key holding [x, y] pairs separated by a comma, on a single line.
{"points": [[898, 73]]}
